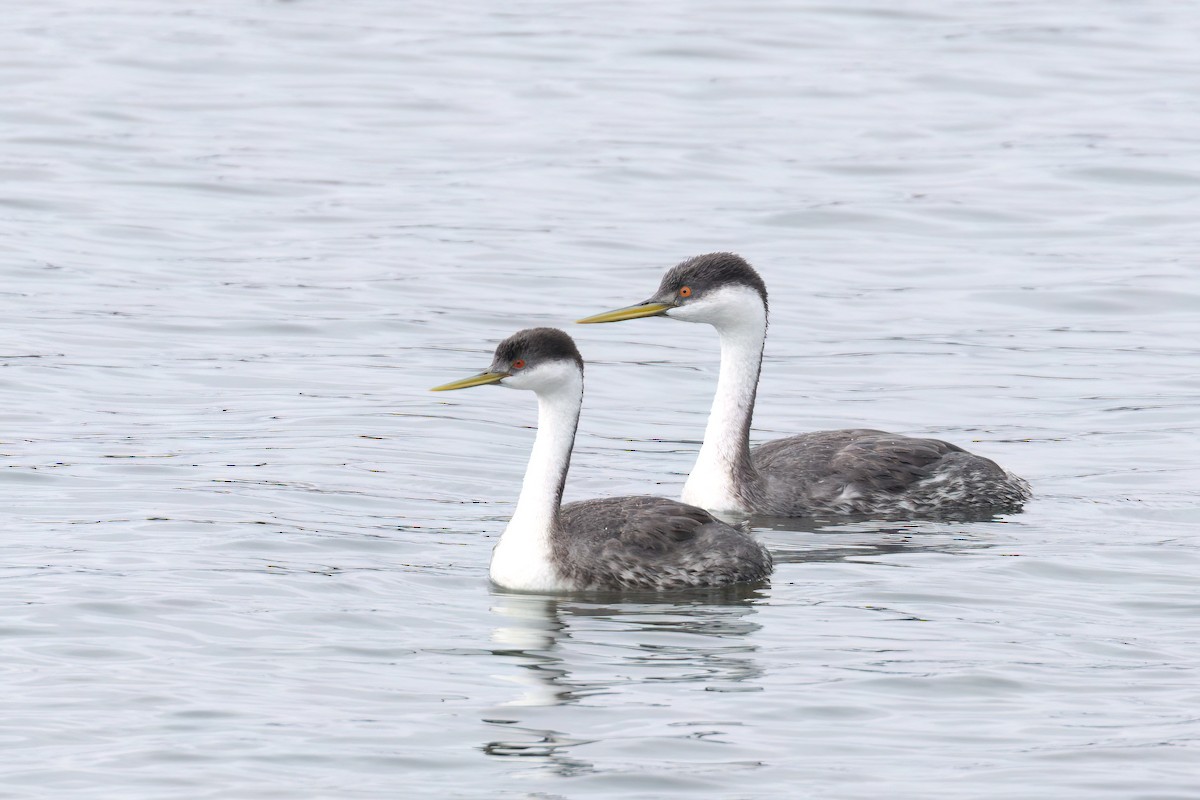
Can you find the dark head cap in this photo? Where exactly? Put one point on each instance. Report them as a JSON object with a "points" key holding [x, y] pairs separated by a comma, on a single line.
{"points": [[534, 346], [710, 271]]}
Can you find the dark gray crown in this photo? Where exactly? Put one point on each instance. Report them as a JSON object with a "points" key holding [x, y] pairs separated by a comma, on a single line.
{"points": [[536, 346], [711, 271]]}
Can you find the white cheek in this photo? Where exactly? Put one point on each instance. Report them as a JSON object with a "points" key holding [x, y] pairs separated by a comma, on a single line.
{"points": [[543, 377], [519, 380], [729, 305], [706, 309]]}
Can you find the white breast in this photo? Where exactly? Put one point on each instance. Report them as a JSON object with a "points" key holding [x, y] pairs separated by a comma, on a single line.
{"points": [[710, 486], [522, 560]]}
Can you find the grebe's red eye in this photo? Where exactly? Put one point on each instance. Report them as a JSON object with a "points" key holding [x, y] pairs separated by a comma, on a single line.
{"points": [[518, 364], [685, 291]]}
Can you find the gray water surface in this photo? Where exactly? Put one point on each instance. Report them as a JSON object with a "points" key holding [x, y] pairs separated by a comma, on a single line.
{"points": [[245, 550]]}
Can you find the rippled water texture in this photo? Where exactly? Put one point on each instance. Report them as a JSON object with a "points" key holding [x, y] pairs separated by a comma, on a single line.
{"points": [[245, 549]]}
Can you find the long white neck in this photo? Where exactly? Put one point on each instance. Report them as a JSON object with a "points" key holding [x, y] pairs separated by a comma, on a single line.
{"points": [[523, 558], [724, 459], [541, 491]]}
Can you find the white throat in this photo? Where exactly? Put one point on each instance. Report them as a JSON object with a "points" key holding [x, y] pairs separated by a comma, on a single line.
{"points": [[523, 558], [725, 453]]}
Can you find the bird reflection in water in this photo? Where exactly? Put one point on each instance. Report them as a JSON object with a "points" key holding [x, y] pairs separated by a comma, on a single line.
{"points": [[833, 539], [568, 649], [631, 640]]}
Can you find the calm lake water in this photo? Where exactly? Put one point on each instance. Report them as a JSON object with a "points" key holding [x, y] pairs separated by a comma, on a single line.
{"points": [[245, 549]]}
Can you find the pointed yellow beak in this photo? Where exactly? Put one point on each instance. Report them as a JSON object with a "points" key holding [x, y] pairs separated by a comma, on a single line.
{"points": [[632, 312], [474, 380]]}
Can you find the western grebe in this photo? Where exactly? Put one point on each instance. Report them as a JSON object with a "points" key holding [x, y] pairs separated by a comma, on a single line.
{"points": [[610, 543], [843, 471]]}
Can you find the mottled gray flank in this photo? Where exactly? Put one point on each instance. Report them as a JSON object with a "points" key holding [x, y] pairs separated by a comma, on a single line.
{"points": [[653, 543], [866, 471]]}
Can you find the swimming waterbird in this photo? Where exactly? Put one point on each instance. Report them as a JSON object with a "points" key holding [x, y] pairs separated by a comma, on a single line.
{"points": [[610, 543], [844, 471]]}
